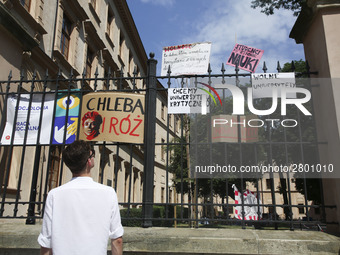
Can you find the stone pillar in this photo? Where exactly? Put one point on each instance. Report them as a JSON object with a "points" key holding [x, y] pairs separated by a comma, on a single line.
{"points": [[317, 27]]}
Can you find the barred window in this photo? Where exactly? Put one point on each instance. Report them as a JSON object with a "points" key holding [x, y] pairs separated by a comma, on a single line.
{"points": [[65, 36], [110, 19], [89, 60]]}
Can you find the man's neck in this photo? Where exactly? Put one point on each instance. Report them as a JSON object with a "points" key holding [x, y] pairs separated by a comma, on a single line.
{"points": [[81, 175], [85, 173]]}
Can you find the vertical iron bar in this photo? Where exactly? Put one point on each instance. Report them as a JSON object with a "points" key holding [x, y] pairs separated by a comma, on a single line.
{"points": [[272, 183], [102, 162], [33, 194], [9, 159], [117, 163], [149, 141], [130, 179]]}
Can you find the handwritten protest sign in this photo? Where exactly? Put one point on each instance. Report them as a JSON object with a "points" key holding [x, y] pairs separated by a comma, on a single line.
{"points": [[35, 111], [186, 100], [264, 83], [247, 58], [186, 59], [113, 116]]}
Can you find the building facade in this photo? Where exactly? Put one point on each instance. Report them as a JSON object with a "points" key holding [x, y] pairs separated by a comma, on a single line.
{"points": [[86, 39], [317, 28], [91, 39]]}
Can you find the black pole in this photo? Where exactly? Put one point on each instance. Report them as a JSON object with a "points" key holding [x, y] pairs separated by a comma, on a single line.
{"points": [[31, 208], [149, 142]]}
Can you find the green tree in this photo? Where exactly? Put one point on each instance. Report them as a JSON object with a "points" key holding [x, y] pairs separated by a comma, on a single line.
{"points": [[208, 187], [268, 6]]}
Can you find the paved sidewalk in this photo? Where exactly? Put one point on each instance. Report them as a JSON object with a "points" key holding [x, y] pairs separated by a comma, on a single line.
{"points": [[18, 238]]}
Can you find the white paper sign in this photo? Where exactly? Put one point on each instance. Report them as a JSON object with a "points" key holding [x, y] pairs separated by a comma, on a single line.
{"points": [[33, 123], [263, 84], [186, 100], [186, 59]]}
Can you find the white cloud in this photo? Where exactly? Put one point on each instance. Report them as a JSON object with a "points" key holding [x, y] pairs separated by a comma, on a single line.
{"points": [[224, 21]]}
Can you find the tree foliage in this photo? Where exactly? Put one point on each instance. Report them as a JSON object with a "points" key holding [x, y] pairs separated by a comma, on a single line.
{"points": [[288, 146], [269, 6]]}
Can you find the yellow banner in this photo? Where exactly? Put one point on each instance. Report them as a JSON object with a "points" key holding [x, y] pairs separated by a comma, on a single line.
{"points": [[113, 116]]}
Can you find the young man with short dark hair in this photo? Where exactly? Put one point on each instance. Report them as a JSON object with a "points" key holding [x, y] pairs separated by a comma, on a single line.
{"points": [[81, 215]]}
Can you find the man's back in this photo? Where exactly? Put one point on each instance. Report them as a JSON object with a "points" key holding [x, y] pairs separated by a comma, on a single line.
{"points": [[80, 217]]}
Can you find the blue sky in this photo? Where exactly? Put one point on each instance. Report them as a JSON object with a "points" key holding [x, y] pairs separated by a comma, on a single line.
{"points": [[164, 23]]}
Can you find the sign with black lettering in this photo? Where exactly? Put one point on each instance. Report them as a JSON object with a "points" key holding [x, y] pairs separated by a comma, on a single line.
{"points": [[246, 58], [186, 100], [263, 84], [113, 116], [182, 59], [23, 115]]}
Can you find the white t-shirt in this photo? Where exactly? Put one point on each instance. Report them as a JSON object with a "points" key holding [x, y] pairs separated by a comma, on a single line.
{"points": [[80, 216]]}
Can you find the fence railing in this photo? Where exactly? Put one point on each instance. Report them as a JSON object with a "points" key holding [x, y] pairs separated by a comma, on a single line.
{"points": [[153, 179]]}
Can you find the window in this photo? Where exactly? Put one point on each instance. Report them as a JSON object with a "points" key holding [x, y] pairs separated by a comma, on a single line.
{"points": [[105, 83], [109, 24], [301, 209], [131, 64], [162, 194], [163, 149], [176, 124], [163, 111], [170, 195], [268, 183], [170, 120], [26, 4], [121, 45], [65, 36], [89, 60]]}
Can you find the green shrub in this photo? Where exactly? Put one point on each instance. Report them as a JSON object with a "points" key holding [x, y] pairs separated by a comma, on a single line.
{"points": [[133, 217], [179, 212]]}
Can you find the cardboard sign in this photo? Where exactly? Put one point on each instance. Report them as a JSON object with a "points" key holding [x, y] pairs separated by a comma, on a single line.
{"points": [[186, 59], [247, 58], [32, 128], [264, 83], [113, 116], [224, 128]]}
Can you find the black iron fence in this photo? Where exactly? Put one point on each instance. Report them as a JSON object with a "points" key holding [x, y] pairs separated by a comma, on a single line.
{"points": [[153, 180]]}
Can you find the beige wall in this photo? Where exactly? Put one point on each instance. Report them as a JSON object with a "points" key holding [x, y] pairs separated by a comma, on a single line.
{"points": [[321, 42], [10, 56], [89, 28]]}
